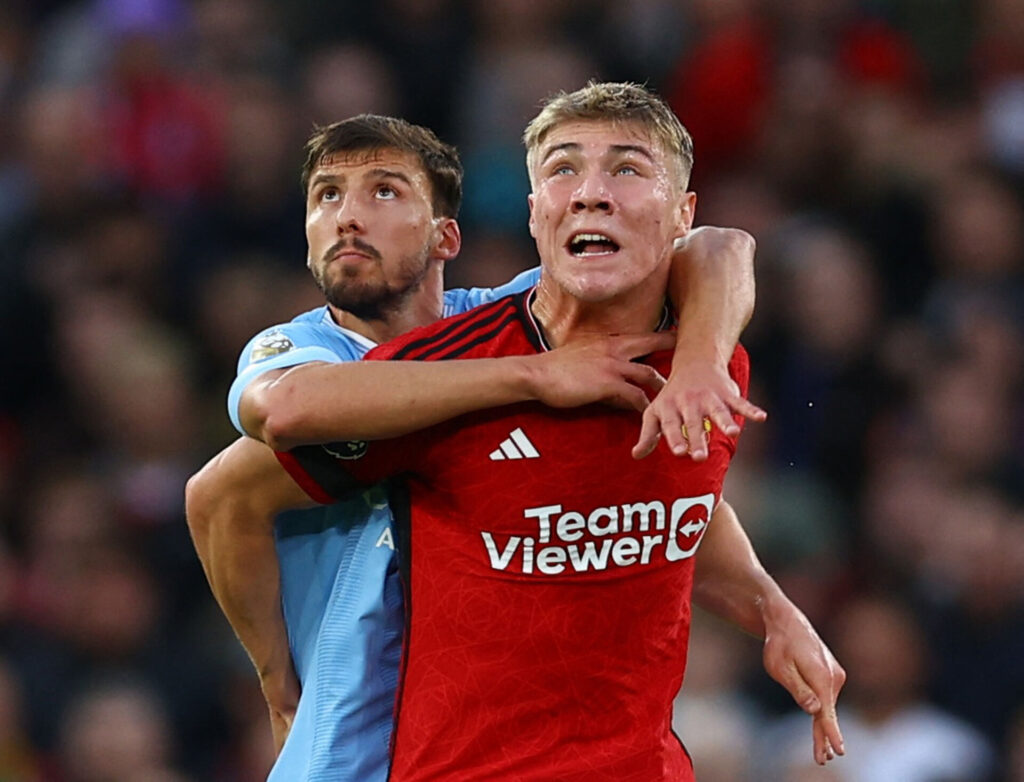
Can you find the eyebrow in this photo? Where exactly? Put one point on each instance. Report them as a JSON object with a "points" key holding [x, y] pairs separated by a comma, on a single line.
{"points": [[385, 173], [624, 148], [572, 146], [319, 179]]}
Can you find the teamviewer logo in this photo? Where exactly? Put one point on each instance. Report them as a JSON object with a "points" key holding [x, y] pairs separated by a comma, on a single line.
{"points": [[690, 519]]}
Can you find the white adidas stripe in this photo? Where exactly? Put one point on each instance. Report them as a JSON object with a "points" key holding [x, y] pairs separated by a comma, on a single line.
{"points": [[520, 439], [516, 446]]}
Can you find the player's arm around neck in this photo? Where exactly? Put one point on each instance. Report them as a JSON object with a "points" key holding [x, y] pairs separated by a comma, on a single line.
{"points": [[371, 400], [230, 506], [730, 582], [712, 286]]}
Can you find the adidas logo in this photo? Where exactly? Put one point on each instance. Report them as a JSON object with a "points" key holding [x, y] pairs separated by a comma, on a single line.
{"points": [[516, 446]]}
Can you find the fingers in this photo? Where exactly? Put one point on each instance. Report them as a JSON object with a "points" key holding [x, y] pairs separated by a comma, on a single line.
{"points": [[828, 740], [628, 397], [695, 431], [802, 692], [747, 409], [822, 748], [650, 433], [672, 429], [642, 375], [721, 417], [816, 694], [828, 721]]}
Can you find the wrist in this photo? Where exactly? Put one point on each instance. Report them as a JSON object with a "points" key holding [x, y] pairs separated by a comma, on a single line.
{"points": [[527, 377], [695, 350], [274, 667], [776, 609]]}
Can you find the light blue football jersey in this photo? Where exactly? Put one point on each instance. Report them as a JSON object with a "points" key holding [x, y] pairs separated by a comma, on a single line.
{"points": [[340, 591]]}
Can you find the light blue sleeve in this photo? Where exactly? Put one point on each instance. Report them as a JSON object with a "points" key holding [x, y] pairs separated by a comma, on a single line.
{"points": [[462, 299], [278, 347]]}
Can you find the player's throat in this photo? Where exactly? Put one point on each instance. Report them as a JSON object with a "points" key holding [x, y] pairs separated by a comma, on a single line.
{"points": [[558, 326]]}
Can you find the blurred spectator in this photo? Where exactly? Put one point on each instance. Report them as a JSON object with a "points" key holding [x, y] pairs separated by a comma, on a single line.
{"points": [[115, 731], [830, 387]]}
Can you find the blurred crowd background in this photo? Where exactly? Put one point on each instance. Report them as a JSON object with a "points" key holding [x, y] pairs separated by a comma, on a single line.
{"points": [[151, 221]]}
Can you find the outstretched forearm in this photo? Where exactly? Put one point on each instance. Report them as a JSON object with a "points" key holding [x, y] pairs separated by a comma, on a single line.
{"points": [[729, 580], [371, 400], [712, 286]]}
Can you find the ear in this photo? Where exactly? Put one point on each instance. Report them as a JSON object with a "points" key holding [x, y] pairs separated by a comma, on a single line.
{"points": [[684, 216], [449, 240], [529, 203]]}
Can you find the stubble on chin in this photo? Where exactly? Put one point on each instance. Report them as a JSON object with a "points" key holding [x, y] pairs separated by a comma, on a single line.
{"points": [[373, 299]]}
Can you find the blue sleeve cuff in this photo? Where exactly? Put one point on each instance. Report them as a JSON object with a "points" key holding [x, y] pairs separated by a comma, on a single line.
{"points": [[292, 358]]}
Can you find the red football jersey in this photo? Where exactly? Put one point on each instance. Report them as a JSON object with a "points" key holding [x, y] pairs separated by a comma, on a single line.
{"points": [[549, 575]]}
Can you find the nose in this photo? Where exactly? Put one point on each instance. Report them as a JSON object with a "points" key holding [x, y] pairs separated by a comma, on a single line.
{"points": [[348, 216], [592, 195]]}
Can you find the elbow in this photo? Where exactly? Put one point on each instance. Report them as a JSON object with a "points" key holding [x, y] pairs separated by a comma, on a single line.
{"points": [[739, 243], [269, 416], [278, 432], [198, 510]]}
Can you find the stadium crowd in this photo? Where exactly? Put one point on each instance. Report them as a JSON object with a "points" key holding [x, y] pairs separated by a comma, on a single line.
{"points": [[151, 222]]}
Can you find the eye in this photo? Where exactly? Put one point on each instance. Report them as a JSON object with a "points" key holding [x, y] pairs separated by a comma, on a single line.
{"points": [[386, 192], [627, 169], [562, 169], [330, 194]]}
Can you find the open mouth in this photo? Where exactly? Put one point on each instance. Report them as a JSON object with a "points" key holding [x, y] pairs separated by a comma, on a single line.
{"points": [[585, 245]]}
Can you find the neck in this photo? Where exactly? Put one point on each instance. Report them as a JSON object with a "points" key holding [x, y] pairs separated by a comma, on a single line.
{"points": [[424, 306], [565, 318]]}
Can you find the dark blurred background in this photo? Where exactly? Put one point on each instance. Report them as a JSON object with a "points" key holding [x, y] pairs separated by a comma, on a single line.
{"points": [[151, 221]]}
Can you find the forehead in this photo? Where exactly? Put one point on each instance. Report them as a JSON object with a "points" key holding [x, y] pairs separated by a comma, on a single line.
{"points": [[600, 136], [359, 162]]}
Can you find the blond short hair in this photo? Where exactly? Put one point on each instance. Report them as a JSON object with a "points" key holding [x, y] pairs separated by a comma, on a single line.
{"points": [[616, 102]]}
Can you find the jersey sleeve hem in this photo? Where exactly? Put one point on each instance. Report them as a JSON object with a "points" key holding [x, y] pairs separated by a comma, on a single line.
{"points": [[292, 358], [301, 477]]}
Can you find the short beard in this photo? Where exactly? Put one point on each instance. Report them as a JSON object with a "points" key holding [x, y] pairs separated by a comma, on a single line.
{"points": [[376, 301]]}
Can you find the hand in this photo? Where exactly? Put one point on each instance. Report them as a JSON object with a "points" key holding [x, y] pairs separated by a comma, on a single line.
{"points": [[599, 370], [697, 389], [797, 658], [281, 692]]}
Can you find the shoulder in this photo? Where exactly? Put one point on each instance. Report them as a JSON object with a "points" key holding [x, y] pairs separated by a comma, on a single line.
{"points": [[312, 330], [488, 330]]}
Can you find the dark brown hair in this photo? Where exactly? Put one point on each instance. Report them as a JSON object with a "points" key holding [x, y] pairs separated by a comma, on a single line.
{"points": [[368, 132]]}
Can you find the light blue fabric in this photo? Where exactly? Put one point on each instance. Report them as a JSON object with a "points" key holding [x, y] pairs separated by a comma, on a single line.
{"points": [[314, 336], [340, 591]]}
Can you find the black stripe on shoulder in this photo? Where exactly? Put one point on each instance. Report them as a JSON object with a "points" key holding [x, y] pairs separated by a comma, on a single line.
{"points": [[479, 317], [443, 353], [324, 468]]}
